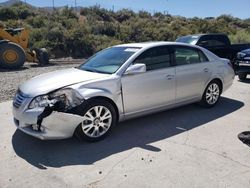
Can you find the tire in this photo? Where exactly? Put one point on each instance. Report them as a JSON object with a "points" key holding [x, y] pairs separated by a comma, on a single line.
{"points": [[42, 56], [245, 137], [242, 76], [211, 94], [96, 127], [11, 55]]}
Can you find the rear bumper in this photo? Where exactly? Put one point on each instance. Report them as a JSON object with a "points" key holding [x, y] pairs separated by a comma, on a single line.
{"points": [[243, 67]]}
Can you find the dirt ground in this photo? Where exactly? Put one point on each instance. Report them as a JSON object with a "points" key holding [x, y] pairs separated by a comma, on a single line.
{"points": [[10, 79]]}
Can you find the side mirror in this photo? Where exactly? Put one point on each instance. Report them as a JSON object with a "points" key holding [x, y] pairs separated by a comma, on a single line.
{"points": [[135, 69]]}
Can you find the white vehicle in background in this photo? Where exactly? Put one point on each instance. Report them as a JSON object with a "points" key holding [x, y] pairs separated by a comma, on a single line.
{"points": [[119, 83]]}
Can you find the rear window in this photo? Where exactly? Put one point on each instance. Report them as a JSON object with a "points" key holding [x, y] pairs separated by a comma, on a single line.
{"points": [[187, 55]]}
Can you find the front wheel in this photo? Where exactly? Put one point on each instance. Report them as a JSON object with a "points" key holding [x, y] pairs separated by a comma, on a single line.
{"points": [[12, 55], [211, 94], [99, 117]]}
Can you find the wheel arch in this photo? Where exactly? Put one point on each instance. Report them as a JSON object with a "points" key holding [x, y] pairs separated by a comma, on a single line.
{"points": [[217, 79], [109, 101], [220, 83]]}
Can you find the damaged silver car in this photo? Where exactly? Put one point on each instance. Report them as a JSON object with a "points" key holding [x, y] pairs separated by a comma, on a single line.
{"points": [[116, 84]]}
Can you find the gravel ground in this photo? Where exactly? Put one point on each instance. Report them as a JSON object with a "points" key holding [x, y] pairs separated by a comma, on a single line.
{"points": [[10, 79]]}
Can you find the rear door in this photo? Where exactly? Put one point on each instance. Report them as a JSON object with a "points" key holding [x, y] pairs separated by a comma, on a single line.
{"points": [[192, 72], [155, 87]]}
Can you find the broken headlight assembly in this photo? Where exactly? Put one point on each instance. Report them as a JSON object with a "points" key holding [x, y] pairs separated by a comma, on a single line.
{"points": [[62, 100]]}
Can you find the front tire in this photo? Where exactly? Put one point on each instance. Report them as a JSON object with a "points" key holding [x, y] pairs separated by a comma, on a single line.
{"points": [[211, 94], [99, 119], [242, 76], [12, 56]]}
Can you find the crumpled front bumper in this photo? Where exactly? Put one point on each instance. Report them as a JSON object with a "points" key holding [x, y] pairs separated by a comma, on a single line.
{"points": [[57, 125]]}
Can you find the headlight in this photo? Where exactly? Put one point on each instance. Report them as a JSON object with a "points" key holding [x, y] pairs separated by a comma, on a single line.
{"points": [[241, 55], [40, 101], [67, 98]]}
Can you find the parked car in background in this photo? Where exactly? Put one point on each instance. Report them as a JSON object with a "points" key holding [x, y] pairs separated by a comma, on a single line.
{"points": [[242, 64], [219, 44], [116, 84]]}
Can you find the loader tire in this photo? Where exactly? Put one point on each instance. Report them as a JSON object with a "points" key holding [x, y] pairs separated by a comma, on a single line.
{"points": [[12, 56], [42, 56]]}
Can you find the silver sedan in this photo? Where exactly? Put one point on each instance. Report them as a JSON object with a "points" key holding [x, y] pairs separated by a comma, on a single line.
{"points": [[116, 84]]}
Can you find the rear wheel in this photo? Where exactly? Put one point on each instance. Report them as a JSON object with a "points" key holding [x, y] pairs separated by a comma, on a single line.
{"points": [[42, 56], [99, 119], [211, 94], [242, 76], [11, 55]]}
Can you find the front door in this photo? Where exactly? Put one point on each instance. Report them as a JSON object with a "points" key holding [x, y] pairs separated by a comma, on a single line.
{"points": [[155, 87]]}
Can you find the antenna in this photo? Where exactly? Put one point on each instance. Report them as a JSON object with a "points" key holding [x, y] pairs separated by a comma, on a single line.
{"points": [[166, 10], [75, 6], [53, 4]]}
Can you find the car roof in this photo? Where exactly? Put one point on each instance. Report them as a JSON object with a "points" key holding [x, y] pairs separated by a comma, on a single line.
{"points": [[152, 44], [204, 34]]}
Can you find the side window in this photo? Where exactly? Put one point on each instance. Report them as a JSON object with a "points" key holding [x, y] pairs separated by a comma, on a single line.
{"points": [[216, 42], [209, 41], [155, 58], [203, 57], [186, 55]]}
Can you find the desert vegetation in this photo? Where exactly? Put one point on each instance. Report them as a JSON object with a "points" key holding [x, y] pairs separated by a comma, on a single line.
{"points": [[65, 32]]}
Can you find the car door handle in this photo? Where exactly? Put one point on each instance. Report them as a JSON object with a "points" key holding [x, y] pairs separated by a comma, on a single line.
{"points": [[170, 77], [205, 70]]}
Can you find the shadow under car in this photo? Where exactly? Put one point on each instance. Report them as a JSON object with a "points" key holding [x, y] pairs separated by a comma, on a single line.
{"points": [[138, 132]]}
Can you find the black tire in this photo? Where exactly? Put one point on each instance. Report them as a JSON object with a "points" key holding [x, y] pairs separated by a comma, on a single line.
{"points": [[42, 56], [11, 55], [86, 107], [245, 137], [205, 100], [242, 76]]}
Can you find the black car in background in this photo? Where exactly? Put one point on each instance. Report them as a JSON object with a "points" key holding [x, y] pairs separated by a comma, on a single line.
{"points": [[242, 64], [217, 43]]}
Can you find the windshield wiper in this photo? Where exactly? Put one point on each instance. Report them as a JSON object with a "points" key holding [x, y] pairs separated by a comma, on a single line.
{"points": [[88, 69], [93, 70]]}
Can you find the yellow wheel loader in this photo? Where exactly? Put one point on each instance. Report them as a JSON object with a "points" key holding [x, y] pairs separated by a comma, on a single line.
{"points": [[14, 49]]}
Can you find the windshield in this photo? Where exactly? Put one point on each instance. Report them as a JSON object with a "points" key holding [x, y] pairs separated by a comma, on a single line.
{"points": [[188, 39], [108, 60]]}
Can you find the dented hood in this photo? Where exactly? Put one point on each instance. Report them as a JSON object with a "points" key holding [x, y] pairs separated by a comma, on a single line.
{"points": [[48, 82]]}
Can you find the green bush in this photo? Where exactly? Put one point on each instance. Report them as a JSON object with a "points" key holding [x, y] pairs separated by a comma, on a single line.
{"points": [[67, 33]]}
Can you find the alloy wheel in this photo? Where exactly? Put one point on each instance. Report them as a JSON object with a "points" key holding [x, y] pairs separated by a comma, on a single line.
{"points": [[212, 93], [97, 121]]}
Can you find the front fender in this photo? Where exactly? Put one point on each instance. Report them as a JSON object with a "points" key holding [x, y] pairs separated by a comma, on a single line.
{"points": [[88, 93], [116, 97]]}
